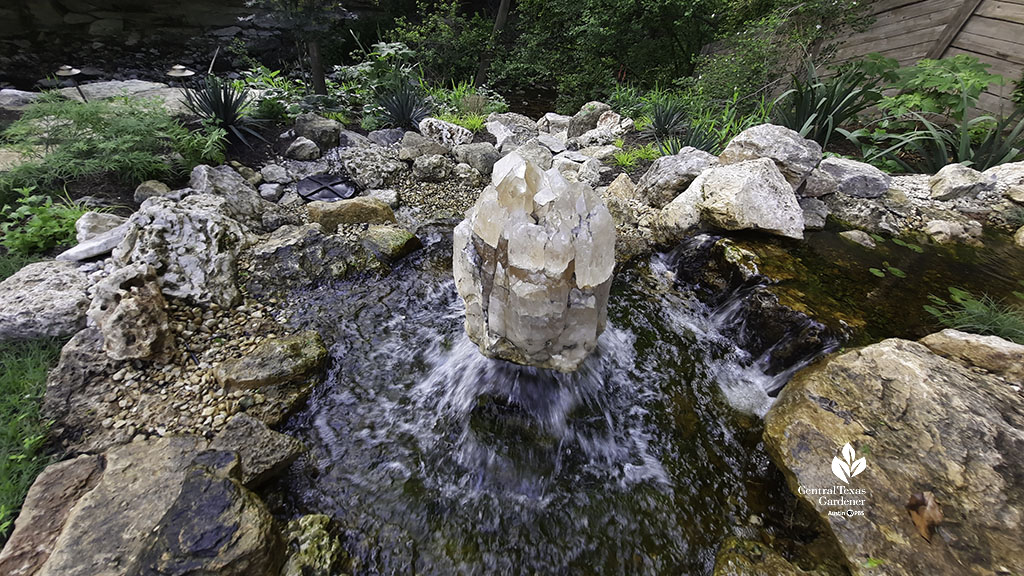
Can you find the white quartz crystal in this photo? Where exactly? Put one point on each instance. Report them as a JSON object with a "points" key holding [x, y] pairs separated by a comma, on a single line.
{"points": [[533, 261]]}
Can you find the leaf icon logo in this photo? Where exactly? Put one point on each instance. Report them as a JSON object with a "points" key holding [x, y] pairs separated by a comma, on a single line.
{"points": [[849, 465]]}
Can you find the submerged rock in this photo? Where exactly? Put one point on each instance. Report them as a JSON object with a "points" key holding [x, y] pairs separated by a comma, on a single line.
{"points": [[922, 423], [533, 260], [314, 548], [748, 558]]}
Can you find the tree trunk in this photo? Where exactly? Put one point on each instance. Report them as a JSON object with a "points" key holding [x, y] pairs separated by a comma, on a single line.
{"points": [[485, 59], [316, 67]]}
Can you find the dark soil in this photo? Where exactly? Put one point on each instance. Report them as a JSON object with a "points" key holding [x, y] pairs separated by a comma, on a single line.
{"points": [[259, 152], [8, 117]]}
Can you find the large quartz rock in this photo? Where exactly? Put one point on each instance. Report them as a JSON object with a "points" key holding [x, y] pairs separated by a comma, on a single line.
{"points": [[131, 313], [751, 195], [922, 423], [670, 175], [43, 300], [533, 261], [795, 155], [192, 245]]}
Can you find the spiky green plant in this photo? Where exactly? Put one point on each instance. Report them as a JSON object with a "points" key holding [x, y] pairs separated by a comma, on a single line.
{"points": [[225, 107]]}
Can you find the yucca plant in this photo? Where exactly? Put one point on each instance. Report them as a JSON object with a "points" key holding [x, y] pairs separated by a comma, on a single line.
{"points": [[404, 108], [223, 106]]}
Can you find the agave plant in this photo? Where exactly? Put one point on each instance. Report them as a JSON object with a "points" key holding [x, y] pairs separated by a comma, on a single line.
{"points": [[668, 120], [404, 108], [224, 106], [816, 108]]}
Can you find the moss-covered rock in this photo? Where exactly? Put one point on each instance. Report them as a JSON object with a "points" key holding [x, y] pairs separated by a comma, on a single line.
{"points": [[748, 558], [389, 243]]}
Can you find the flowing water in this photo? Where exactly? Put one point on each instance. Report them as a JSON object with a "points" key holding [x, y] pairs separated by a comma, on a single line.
{"points": [[436, 460]]}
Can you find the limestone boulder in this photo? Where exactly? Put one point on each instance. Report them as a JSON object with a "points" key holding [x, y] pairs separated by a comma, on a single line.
{"points": [[668, 176], [682, 214], [955, 181], [302, 148], [45, 511], [298, 256], [193, 245], [371, 167], [991, 353], [751, 195], [481, 156], [818, 184], [533, 261], [922, 424], [815, 213], [415, 145], [275, 174], [432, 168], [276, 361], [131, 313], [43, 300], [386, 137], [92, 224], [358, 210], [390, 243], [244, 202], [794, 155], [1018, 237], [445, 133], [591, 138], [587, 118], [96, 245], [153, 507], [263, 453], [616, 124], [323, 132], [552, 123], [854, 178]]}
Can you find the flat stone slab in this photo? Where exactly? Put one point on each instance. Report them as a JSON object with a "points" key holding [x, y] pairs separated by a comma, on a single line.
{"points": [[43, 300]]}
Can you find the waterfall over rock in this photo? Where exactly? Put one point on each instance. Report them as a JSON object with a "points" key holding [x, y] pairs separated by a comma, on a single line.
{"points": [[533, 261]]}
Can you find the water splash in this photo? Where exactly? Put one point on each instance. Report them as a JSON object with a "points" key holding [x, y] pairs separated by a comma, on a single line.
{"points": [[437, 460]]}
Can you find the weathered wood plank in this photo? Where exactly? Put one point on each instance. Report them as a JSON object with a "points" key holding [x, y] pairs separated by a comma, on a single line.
{"points": [[1001, 49], [889, 28], [953, 28], [914, 10], [1001, 11], [893, 42], [883, 6], [998, 29]]}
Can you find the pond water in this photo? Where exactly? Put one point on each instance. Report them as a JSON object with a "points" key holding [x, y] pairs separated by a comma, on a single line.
{"points": [[436, 460]]}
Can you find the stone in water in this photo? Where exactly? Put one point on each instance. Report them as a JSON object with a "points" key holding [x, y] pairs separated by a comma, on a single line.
{"points": [[533, 261]]}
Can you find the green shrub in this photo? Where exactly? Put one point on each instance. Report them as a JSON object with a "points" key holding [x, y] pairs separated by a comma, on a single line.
{"points": [[948, 87], [36, 223], [134, 140], [630, 158], [447, 43], [23, 368], [978, 315], [464, 99]]}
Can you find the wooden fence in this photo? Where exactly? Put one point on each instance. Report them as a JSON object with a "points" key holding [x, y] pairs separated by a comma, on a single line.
{"points": [[909, 30]]}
